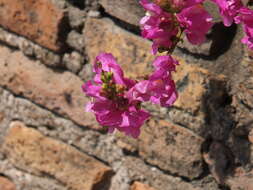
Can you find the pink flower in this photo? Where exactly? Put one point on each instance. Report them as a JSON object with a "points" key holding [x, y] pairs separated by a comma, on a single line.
{"points": [[245, 16], [228, 10], [248, 39], [110, 106], [159, 88], [92, 90], [121, 115], [105, 62], [165, 28], [159, 26], [196, 21]]}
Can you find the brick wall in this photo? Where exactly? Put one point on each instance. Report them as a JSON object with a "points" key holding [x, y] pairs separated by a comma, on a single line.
{"points": [[48, 142]]}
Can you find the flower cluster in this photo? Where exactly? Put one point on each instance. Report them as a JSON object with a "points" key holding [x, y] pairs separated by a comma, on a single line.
{"points": [[168, 19], [159, 88], [165, 26], [117, 100]]}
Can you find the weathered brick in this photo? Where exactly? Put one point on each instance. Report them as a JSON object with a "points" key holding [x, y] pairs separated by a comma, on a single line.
{"points": [[6, 184], [40, 21], [131, 51], [59, 92], [30, 48], [243, 103], [26, 181], [199, 90], [140, 186], [28, 149], [138, 170], [193, 85], [170, 147], [92, 142], [129, 11]]}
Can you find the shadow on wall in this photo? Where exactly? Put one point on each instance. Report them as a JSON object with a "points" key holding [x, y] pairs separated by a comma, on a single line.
{"points": [[226, 146], [221, 38]]}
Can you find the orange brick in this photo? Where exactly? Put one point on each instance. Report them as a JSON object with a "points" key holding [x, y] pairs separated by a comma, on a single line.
{"points": [[6, 184], [40, 21], [140, 186], [26, 148]]}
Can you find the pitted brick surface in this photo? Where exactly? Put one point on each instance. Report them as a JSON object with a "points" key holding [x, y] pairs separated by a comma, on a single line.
{"points": [[41, 21], [28, 149]]}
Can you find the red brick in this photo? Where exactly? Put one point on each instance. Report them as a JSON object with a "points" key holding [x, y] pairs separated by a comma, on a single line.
{"points": [[38, 20]]}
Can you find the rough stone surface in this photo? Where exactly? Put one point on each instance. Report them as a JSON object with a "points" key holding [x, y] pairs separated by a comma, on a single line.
{"points": [[6, 184], [226, 62], [30, 150], [94, 13], [129, 11], [76, 18], [30, 49], [137, 170], [179, 143], [92, 142], [193, 83], [26, 181], [73, 61], [91, 5], [59, 92], [131, 51], [41, 21], [75, 41], [86, 73], [196, 87], [240, 138]]}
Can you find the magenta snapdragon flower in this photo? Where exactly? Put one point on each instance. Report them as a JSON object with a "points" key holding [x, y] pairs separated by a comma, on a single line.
{"points": [[110, 105], [228, 10], [159, 88], [196, 22], [248, 38], [158, 26], [245, 16], [165, 28], [122, 115]]}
